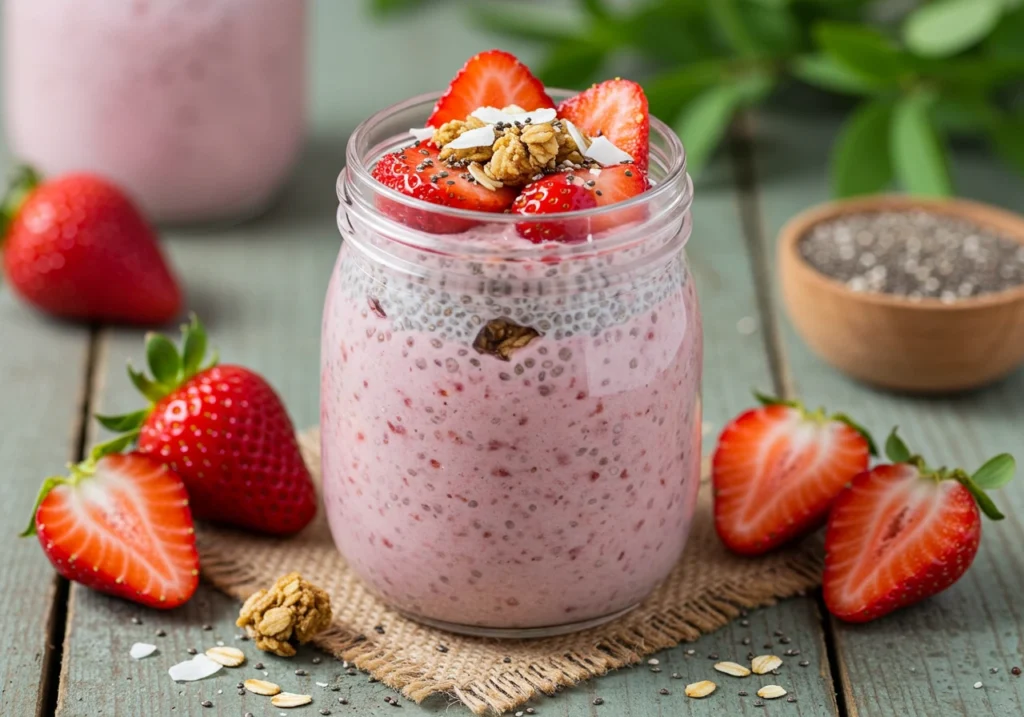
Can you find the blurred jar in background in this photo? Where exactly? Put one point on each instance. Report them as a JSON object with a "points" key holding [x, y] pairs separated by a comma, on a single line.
{"points": [[196, 107]]}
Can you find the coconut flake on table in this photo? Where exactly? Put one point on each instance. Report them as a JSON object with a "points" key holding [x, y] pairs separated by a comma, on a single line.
{"points": [[142, 649], [479, 137], [492, 115], [198, 668], [421, 133], [577, 136], [605, 153]]}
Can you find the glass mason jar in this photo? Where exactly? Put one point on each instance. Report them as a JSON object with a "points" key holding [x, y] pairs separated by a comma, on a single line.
{"points": [[510, 431], [196, 107]]}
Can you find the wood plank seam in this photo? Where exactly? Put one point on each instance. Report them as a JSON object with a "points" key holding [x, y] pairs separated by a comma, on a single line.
{"points": [[741, 154]]}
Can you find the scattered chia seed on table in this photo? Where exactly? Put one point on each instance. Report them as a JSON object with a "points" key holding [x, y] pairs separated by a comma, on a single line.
{"points": [[914, 254]]}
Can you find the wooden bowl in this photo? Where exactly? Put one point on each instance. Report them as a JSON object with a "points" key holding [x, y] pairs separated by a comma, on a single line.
{"points": [[923, 346]]}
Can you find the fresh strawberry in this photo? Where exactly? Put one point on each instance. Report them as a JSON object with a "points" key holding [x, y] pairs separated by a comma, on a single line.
{"points": [[554, 194], [777, 469], [490, 79], [78, 248], [904, 532], [616, 109], [418, 173], [120, 524], [225, 432]]}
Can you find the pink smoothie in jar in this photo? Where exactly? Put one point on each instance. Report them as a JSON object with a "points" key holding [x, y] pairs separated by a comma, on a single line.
{"points": [[534, 495], [196, 107]]}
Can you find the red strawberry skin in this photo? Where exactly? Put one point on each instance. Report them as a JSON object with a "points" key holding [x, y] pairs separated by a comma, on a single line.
{"points": [[894, 538], [490, 79], [78, 248], [417, 172], [554, 194], [776, 473], [126, 531], [227, 434], [616, 109]]}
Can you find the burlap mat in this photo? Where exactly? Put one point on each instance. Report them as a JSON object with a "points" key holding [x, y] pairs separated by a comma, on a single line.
{"points": [[706, 589]]}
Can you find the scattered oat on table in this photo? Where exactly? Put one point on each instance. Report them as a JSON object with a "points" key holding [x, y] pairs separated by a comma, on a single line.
{"points": [[262, 687], [290, 699], [732, 668], [227, 656], [700, 689], [763, 664], [771, 692]]}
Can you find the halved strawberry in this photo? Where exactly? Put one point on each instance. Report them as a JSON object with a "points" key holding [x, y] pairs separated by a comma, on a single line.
{"points": [[121, 524], [617, 184], [491, 79], [904, 532], [417, 172], [554, 194], [776, 471], [616, 109]]}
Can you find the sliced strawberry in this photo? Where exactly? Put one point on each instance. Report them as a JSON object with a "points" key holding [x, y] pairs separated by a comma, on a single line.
{"points": [[417, 172], [776, 471], [901, 533], [490, 79], [121, 525], [616, 109], [554, 194], [617, 184]]}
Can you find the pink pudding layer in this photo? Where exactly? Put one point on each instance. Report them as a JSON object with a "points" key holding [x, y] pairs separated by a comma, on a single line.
{"points": [[550, 489], [197, 108]]}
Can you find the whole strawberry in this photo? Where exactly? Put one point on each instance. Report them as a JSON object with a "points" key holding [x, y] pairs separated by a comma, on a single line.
{"points": [[904, 532], [76, 247], [120, 524], [224, 430]]}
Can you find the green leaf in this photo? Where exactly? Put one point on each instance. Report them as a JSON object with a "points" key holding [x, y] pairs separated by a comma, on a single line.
{"points": [[193, 347], [115, 445], [1005, 41], [863, 50], [126, 422], [895, 449], [596, 8], [865, 433], [987, 506], [571, 65], [48, 485], [383, 8], [669, 92], [539, 25], [1007, 135], [946, 27], [672, 33], [860, 155], [996, 472], [774, 27], [824, 72], [918, 153], [731, 23], [705, 120], [163, 359], [767, 400], [153, 391], [962, 115]]}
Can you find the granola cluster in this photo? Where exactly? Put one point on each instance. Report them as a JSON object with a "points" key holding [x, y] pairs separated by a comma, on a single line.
{"points": [[291, 611], [519, 153]]}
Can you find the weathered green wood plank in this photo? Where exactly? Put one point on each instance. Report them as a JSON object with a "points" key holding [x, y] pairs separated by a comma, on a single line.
{"points": [[42, 386], [926, 659]]}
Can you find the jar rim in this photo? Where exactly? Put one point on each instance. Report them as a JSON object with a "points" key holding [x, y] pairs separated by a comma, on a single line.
{"points": [[356, 186]]}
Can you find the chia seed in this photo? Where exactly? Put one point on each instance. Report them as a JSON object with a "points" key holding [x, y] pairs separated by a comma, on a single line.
{"points": [[316, 660], [713, 656], [663, 691], [914, 254], [598, 701], [136, 621], [192, 651], [161, 633], [206, 703], [258, 665], [743, 693], [442, 648], [379, 629], [804, 663], [1015, 671], [207, 627]]}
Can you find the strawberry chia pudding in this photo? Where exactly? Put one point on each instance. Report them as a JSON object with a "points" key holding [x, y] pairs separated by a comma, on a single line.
{"points": [[510, 405], [196, 107]]}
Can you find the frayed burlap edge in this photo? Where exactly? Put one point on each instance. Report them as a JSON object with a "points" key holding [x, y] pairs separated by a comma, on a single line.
{"points": [[708, 588]]}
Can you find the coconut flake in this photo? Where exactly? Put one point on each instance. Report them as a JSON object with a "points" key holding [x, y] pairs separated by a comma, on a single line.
{"points": [[577, 136], [421, 133], [479, 137], [142, 649], [198, 668], [492, 115], [605, 153]]}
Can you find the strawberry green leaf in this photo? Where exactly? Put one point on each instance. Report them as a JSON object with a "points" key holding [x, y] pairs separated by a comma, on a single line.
{"points": [[48, 485], [163, 359], [116, 445], [895, 449], [765, 400], [981, 497], [193, 347], [153, 391], [996, 472], [843, 418], [125, 422]]}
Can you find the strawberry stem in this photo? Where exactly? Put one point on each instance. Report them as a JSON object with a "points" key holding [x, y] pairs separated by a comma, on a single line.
{"points": [[23, 182], [48, 485]]}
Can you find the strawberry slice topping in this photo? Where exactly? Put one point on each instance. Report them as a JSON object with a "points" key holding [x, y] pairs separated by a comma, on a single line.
{"points": [[121, 525], [490, 79], [776, 471], [555, 194], [616, 109], [417, 172]]}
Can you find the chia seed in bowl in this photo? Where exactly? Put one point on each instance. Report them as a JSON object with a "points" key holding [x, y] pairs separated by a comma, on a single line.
{"points": [[914, 253]]}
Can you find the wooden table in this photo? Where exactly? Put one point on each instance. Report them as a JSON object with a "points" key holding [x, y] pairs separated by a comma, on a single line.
{"points": [[259, 286]]}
